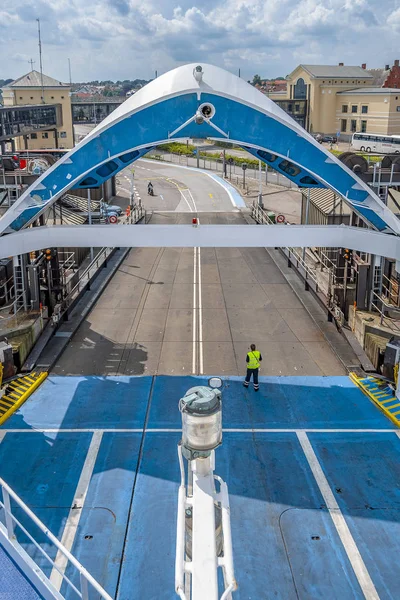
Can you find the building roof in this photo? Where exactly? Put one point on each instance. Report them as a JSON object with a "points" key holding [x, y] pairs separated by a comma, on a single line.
{"points": [[33, 79], [370, 90], [336, 72]]}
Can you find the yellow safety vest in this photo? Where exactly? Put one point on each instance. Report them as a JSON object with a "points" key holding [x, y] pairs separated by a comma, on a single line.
{"points": [[254, 359]]}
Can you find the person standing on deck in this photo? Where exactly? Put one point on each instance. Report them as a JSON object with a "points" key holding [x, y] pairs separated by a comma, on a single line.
{"points": [[253, 360]]}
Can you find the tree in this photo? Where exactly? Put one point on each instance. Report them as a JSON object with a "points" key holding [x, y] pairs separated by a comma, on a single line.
{"points": [[256, 80]]}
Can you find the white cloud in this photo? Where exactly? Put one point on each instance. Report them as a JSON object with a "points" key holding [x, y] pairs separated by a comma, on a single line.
{"points": [[121, 39]]}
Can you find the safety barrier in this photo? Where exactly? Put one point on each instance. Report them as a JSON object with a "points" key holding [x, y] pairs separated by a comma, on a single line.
{"points": [[8, 539], [294, 257]]}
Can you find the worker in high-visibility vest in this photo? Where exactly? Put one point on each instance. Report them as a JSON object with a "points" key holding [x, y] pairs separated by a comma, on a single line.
{"points": [[253, 360]]}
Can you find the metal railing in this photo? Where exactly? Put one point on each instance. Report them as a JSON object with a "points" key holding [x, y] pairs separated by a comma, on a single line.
{"points": [[11, 521], [292, 254], [382, 306], [85, 277]]}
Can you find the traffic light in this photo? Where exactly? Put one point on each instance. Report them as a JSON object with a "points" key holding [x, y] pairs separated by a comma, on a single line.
{"points": [[48, 254], [347, 254]]}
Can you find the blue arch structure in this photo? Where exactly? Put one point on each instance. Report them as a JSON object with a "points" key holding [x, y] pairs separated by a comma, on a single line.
{"points": [[172, 107]]}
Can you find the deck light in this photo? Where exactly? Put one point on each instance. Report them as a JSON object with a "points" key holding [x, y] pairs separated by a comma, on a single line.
{"points": [[201, 409]]}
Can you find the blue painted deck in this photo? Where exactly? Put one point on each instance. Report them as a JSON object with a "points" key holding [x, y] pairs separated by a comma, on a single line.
{"points": [[129, 516]]}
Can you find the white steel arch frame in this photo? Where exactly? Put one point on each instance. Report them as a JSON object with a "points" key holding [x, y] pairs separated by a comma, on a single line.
{"points": [[172, 107]]}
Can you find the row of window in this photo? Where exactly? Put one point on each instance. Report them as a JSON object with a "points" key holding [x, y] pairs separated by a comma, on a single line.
{"points": [[354, 109], [51, 97], [45, 135], [353, 126]]}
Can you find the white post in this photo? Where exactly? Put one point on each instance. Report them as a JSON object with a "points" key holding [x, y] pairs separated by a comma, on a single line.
{"points": [[90, 219], [306, 223], [204, 559], [7, 509], [260, 202]]}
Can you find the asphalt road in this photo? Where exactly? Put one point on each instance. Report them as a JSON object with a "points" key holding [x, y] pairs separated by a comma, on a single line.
{"points": [[175, 188], [183, 310]]}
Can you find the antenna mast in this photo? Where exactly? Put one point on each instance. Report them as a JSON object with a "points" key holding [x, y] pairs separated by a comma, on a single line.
{"points": [[40, 58], [31, 62]]}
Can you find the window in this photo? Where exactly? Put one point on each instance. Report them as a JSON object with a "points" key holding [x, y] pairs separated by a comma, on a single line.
{"points": [[344, 108], [398, 108], [300, 89], [343, 125], [62, 97], [20, 97], [290, 108], [364, 110], [297, 108], [31, 97], [52, 97], [354, 108], [353, 125], [63, 134], [363, 126], [45, 135], [33, 136]]}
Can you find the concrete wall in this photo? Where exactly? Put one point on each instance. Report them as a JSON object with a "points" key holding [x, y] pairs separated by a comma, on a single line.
{"points": [[52, 95]]}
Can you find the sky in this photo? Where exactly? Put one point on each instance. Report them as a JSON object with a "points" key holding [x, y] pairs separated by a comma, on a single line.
{"points": [[129, 39]]}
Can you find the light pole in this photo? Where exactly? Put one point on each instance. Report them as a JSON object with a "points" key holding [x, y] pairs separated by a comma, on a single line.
{"points": [[203, 541]]}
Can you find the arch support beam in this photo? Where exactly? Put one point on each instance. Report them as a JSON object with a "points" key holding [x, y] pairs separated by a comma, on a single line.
{"points": [[204, 236], [170, 107]]}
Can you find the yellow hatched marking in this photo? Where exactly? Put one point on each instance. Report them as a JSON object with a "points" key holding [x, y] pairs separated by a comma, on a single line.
{"points": [[19, 399], [365, 385], [393, 406]]}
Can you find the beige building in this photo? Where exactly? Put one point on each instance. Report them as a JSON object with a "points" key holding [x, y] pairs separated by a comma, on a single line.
{"points": [[372, 110], [319, 85], [31, 90]]}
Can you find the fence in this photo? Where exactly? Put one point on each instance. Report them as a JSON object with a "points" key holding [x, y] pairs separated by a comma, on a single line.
{"points": [[232, 172]]}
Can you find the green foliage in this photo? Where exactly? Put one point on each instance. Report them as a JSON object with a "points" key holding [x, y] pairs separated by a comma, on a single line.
{"points": [[256, 80]]}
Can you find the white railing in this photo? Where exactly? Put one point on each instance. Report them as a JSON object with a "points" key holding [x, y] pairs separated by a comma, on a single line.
{"points": [[85, 579]]}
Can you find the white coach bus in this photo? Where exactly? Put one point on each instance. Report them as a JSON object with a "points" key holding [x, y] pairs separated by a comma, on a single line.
{"points": [[374, 142]]}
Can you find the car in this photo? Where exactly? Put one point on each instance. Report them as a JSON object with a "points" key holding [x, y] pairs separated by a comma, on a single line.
{"points": [[330, 139], [318, 137]]}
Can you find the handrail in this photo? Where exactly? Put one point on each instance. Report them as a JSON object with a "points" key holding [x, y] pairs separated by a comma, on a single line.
{"points": [[10, 519]]}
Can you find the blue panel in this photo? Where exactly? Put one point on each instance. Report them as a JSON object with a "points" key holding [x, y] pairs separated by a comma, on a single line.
{"points": [[85, 402], [363, 473], [322, 402], [13, 583], [100, 537], [269, 484], [43, 469]]}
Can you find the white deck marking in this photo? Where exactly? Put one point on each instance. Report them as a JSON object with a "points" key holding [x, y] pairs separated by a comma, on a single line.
{"points": [[75, 512], [173, 430], [2, 434], [339, 521], [398, 434]]}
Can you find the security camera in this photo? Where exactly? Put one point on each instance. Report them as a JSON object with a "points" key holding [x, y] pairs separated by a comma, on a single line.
{"points": [[198, 73], [199, 119]]}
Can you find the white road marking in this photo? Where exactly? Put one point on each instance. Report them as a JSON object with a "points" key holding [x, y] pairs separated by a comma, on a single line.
{"points": [[75, 512], [339, 521]]}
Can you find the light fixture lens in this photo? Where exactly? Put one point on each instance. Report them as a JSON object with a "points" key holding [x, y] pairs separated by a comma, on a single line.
{"points": [[215, 382]]}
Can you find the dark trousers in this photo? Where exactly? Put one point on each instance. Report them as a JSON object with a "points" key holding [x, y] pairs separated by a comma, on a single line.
{"points": [[249, 373]]}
